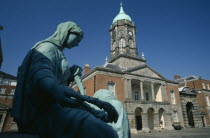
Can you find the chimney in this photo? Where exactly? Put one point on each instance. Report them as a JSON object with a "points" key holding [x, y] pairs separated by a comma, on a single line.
{"points": [[176, 77], [86, 69]]}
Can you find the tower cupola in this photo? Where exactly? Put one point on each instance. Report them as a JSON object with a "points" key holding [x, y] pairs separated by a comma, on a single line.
{"points": [[122, 15]]}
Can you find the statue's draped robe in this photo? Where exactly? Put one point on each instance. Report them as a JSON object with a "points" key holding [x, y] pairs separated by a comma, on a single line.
{"points": [[37, 111], [122, 125]]}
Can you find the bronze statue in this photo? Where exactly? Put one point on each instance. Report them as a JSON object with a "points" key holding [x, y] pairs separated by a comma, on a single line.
{"points": [[46, 105]]}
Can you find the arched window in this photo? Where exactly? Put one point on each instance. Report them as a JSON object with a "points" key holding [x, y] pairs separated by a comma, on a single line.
{"points": [[111, 87], [175, 116], [113, 45], [173, 100], [122, 43], [131, 43], [207, 100]]}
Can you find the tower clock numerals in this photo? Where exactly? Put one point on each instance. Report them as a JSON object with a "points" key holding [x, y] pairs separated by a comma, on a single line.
{"points": [[121, 33]]}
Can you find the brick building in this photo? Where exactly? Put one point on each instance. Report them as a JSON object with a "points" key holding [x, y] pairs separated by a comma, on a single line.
{"points": [[202, 101], [7, 89], [152, 101]]}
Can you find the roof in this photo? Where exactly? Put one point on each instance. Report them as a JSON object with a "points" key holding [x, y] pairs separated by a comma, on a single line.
{"points": [[187, 91], [122, 15], [188, 78], [112, 66], [7, 76]]}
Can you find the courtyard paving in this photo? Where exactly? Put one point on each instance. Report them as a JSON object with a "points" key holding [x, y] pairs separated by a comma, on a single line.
{"points": [[185, 133]]}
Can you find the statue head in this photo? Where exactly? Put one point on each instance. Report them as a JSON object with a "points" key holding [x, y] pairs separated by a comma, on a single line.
{"points": [[68, 34]]}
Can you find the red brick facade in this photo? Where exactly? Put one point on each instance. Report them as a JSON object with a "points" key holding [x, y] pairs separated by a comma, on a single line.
{"points": [[100, 81], [203, 88]]}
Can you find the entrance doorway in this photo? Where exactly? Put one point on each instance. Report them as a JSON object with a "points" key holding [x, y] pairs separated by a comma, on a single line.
{"points": [[203, 121], [189, 107], [150, 114], [138, 123], [138, 115], [162, 118]]}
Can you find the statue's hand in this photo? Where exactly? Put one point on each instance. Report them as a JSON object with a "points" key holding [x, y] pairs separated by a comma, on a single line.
{"points": [[64, 98], [100, 115], [112, 112], [75, 70]]}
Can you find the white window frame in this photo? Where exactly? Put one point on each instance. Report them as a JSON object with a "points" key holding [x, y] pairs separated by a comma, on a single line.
{"points": [[208, 86], [12, 91], [113, 87], [2, 90], [122, 43], [136, 95], [203, 85], [207, 100], [175, 116], [173, 99]]}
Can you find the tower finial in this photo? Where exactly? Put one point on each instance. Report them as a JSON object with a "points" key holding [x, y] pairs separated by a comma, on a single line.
{"points": [[107, 60], [142, 55], [121, 8]]}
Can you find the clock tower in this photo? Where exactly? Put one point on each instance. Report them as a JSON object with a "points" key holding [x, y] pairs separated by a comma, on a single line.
{"points": [[123, 36]]}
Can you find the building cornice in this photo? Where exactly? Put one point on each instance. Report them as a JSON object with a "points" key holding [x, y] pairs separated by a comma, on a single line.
{"points": [[129, 57]]}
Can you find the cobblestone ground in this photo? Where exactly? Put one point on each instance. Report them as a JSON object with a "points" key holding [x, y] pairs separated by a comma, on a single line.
{"points": [[185, 133]]}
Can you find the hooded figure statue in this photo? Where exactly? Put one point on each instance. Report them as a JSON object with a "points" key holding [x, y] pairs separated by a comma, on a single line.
{"points": [[45, 104], [122, 125]]}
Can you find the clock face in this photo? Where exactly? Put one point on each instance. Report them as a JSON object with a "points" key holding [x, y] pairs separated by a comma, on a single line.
{"points": [[121, 33], [130, 33]]}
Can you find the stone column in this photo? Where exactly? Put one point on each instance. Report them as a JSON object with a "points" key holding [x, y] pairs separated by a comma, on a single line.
{"points": [[129, 89], [153, 93], [126, 88], [156, 122], [168, 121], [142, 89], [145, 122], [163, 93], [132, 122]]}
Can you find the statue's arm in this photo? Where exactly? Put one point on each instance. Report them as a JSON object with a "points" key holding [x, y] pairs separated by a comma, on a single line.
{"points": [[43, 78]]}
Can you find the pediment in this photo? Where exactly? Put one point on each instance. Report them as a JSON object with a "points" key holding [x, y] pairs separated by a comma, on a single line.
{"points": [[145, 70]]}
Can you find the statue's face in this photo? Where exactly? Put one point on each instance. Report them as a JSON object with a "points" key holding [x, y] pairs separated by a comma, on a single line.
{"points": [[72, 40]]}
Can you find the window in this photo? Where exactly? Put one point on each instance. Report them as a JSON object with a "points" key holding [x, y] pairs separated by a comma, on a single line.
{"points": [[2, 90], [111, 87], [175, 116], [208, 87], [113, 45], [122, 43], [4, 82], [147, 96], [173, 101], [203, 85], [12, 91], [207, 100], [131, 43], [136, 95]]}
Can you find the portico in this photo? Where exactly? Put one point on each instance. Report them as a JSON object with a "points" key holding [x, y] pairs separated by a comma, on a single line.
{"points": [[147, 104], [145, 90]]}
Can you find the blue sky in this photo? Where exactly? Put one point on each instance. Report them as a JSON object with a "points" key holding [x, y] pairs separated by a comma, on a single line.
{"points": [[173, 34]]}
